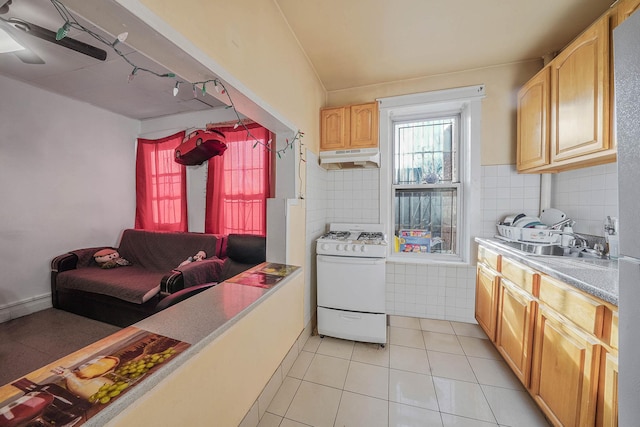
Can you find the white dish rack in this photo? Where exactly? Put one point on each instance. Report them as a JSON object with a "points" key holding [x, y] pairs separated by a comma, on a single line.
{"points": [[534, 235]]}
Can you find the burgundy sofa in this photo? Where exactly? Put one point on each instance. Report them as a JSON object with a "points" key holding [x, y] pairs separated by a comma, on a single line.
{"points": [[125, 295]]}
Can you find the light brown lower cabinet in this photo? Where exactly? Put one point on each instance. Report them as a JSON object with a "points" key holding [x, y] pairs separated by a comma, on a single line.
{"points": [[486, 299], [559, 341], [514, 329], [608, 393], [564, 376]]}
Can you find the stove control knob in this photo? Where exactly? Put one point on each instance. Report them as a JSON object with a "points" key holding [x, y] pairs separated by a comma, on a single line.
{"points": [[338, 248], [354, 248], [346, 248], [324, 246], [363, 248]]}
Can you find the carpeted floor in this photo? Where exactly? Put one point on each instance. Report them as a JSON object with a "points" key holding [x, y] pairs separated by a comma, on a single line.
{"points": [[30, 342]]}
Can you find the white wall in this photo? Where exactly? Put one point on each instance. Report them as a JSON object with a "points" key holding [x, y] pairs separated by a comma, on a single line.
{"points": [[68, 181]]}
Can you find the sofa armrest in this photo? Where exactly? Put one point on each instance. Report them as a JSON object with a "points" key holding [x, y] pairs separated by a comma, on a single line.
{"points": [[74, 259], [182, 295], [192, 274], [64, 262], [171, 283]]}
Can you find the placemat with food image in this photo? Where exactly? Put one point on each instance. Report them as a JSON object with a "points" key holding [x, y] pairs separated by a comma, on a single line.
{"points": [[71, 390], [264, 275]]}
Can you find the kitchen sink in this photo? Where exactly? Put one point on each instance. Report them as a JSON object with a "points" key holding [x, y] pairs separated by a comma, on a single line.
{"points": [[536, 248], [551, 250]]}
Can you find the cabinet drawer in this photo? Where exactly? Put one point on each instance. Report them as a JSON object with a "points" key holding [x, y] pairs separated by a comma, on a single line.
{"points": [[352, 325], [521, 276], [585, 312], [489, 258]]}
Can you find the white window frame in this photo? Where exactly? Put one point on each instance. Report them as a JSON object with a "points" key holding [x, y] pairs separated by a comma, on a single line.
{"points": [[467, 102]]}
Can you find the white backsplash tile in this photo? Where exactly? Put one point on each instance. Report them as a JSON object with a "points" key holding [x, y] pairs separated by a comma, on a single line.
{"points": [[587, 196], [506, 192]]}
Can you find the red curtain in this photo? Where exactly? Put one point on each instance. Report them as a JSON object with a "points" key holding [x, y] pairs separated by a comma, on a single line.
{"points": [[238, 183], [161, 185]]}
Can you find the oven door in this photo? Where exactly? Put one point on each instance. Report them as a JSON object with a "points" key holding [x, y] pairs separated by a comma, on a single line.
{"points": [[352, 283]]}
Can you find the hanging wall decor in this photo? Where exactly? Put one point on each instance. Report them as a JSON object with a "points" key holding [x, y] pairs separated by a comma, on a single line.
{"points": [[200, 145]]}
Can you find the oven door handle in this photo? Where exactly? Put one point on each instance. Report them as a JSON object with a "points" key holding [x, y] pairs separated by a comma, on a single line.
{"points": [[350, 260], [350, 317]]}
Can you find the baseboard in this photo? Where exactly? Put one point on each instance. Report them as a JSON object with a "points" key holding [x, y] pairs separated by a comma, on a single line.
{"points": [[24, 307]]}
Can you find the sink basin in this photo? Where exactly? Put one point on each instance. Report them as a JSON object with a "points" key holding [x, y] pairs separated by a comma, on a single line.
{"points": [[536, 248], [550, 250]]}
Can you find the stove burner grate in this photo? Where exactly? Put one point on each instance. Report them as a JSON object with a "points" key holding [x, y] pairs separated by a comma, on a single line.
{"points": [[371, 236], [336, 235]]}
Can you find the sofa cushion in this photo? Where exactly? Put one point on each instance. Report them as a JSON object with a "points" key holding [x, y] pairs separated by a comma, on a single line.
{"points": [[164, 251], [243, 252], [134, 284], [246, 248]]}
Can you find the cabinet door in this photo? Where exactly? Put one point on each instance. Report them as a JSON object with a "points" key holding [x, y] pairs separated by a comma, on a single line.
{"points": [[626, 8], [334, 128], [608, 409], [514, 328], [533, 122], [580, 95], [364, 126], [487, 300], [564, 376]]}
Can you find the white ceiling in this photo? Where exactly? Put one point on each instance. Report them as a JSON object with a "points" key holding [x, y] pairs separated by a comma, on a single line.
{"points": [[355, 43], [103, 84], [349, 43]]}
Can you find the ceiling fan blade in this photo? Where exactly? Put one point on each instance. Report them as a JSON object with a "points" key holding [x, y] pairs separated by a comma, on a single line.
{"points": [[50, 36], [4, 8], [28, 57]]}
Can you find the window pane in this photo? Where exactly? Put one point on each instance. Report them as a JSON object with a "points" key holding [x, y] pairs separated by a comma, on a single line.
{"points": [[431, 210], [424, 152]]}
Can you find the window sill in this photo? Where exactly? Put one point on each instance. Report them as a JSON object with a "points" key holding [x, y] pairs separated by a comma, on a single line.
{"points": [[452, 262]]}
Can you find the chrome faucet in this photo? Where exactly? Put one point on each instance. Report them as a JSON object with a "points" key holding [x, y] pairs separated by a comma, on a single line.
{"points": [[584, 243]]}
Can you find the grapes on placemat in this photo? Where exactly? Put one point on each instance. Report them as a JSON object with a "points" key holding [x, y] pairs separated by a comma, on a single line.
{"points": [[127, 373]]}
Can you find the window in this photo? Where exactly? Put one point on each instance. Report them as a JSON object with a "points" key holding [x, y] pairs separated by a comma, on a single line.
{"points": [[426, 185], [238, 183], [161, 202], [430, 158]]}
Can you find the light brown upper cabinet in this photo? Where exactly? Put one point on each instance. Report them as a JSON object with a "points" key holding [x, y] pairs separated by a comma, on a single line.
{"points": [[348, 127], [625, 8], [565, 111], [533, 121], [580, 95]]}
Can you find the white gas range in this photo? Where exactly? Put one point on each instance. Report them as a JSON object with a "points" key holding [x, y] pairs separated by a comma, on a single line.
{"points": [[366, 241], [351, 282]]}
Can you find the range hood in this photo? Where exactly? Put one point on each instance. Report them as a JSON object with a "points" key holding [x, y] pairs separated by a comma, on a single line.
{"points": [[349, 159]]}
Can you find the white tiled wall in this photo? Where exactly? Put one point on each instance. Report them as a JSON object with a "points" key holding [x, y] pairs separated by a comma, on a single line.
{"points": [[506, 192], [317, 200], [430, 291], [587, 196], [447, 291], [354, 196]]}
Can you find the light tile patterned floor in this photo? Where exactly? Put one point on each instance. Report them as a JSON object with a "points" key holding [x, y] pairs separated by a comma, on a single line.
{"points": [[432, 373]]}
